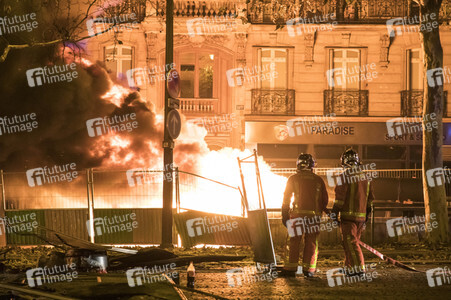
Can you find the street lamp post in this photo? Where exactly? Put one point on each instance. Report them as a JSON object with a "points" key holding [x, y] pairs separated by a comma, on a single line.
{"points": [[168, 142]]}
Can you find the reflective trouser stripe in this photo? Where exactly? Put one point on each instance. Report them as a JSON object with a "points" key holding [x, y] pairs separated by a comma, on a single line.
{"points": [[315, 257], [339, 203], [300, 211], [354, 214], [311, 266]]}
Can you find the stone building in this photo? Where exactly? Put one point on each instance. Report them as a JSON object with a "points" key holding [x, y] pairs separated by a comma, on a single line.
{"points": [[354, 67]]}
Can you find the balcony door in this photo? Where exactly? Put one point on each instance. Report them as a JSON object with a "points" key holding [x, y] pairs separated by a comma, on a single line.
{"points": [[198, 74], [345, 78], [345, 66]]}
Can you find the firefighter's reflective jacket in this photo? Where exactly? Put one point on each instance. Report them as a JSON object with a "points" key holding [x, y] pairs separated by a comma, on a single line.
{"points": [[310, 195], [353, 197]]}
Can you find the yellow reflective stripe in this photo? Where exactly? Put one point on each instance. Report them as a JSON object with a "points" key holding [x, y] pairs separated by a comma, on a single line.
{"points": [[354, 214], [300, 211], [368, 190], [339, 202], [316, 254]]}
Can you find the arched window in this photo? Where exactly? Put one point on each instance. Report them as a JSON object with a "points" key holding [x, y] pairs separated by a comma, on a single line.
{"points": [[197, 74], [118, 59]]}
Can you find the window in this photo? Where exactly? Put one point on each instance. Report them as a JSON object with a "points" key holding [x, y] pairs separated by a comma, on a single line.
{"points": [[273, 59], [196, 75], [414, 70], [345, 67], [118, 59]]}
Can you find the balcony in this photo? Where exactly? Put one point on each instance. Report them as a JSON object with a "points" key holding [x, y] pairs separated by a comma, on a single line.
{"points": [[126, 8], [369, 11], [273, 102], [346, 102], [199, 106], [198, 8], [412, 103]]}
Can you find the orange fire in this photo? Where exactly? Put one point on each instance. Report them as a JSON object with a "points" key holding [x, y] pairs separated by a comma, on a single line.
{"points": [[219, 165]]}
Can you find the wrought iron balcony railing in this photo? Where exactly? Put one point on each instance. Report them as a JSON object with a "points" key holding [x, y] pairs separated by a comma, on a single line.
{"points": [[197, 8], [126, 8], [205, 106], [412, 103], [365, 11], [273, 102], [346, 102]]}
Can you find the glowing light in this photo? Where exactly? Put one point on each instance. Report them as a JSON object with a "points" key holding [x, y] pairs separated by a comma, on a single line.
{"points": [[116, 94]]}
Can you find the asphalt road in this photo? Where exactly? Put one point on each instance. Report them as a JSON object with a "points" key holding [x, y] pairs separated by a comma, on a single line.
{"points": [[388, 283]]}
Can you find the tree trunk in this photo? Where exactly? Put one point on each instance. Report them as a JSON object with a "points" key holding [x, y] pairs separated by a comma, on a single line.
{"points": [[434, 196]]}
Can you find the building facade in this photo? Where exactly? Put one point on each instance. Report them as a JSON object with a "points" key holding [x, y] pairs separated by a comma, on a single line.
{"points": [[350, 67]]}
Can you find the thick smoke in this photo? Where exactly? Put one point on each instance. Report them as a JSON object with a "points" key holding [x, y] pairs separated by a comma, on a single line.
{"points": [[62, 110]]}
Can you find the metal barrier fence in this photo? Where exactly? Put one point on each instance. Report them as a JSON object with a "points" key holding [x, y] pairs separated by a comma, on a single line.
{"points": [[63, 206]]}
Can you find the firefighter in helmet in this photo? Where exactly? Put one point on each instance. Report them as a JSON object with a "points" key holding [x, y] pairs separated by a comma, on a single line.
{"points": [[353, 197], [302, 221]]}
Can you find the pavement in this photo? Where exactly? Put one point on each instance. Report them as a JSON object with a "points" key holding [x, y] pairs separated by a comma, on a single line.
{"points": [[388, 282]]}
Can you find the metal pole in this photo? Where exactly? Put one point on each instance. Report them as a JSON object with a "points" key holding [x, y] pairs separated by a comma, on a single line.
{"points": [[3, 239], [168, 143], [372, 223], [177, 190], [90, 205], [3, 190]]}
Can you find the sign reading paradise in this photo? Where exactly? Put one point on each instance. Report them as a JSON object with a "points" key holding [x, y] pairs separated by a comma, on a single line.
{"points": [[369, 133]]}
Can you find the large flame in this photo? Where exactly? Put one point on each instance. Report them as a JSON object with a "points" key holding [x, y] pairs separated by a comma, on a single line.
{"points": [[221, 166]]}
